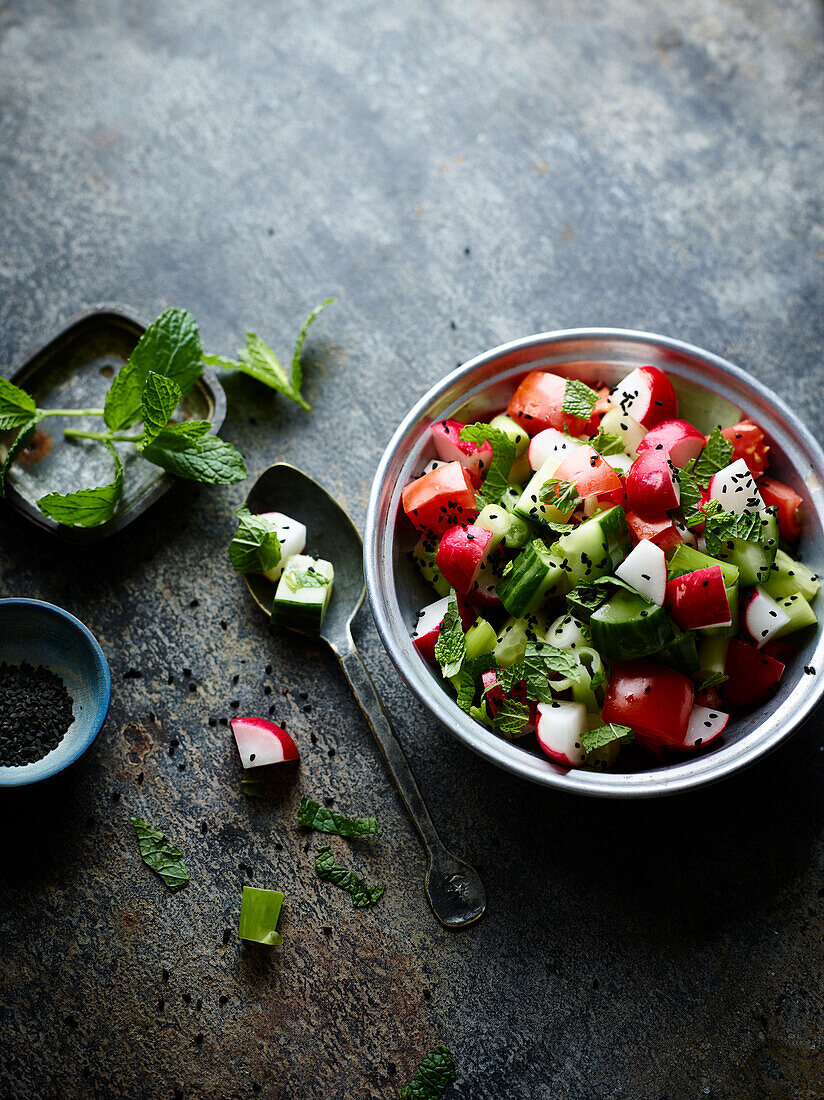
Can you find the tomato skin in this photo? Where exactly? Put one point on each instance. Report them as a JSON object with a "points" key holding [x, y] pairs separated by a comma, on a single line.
{"points": [[778, 495], [650, 697], [537, 404], [591, 474], [658, 529], [440, 499], [748, 443]]}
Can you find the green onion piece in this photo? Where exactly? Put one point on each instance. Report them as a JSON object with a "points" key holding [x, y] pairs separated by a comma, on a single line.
{"points": [[259, 912]]}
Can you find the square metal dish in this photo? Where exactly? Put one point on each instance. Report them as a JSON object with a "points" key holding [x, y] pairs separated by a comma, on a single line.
{"points": [[74, 368]]}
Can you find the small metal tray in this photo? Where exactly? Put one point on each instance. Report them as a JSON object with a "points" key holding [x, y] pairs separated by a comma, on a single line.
{"points": [[74, 368]]}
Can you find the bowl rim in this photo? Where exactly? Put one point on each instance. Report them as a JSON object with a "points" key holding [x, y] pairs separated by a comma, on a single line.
{"points": [[695, 772], [103, 701]]}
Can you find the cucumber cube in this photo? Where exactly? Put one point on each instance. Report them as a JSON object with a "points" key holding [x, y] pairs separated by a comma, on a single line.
{"points": [[303, 594]]}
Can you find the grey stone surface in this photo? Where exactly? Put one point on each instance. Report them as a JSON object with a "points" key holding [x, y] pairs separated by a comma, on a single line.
{"points": [[508, 167]]}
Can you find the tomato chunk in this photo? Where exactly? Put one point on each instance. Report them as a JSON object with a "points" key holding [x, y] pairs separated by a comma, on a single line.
{"points": [[538, 404], [778, 495], [591, 474], [440, 499], [748, 443], [651, 698]]}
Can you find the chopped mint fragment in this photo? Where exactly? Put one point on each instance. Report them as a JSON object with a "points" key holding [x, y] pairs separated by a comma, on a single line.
{"points": [[579, 399], [715, 456], [721, 526], [362, 895], [511, 717], [605, 443], [256, 546], [305, 578], [503, 454], [605, 735], [161, 855], [714, 680], [450, 648], [314, 816], [562, 495], [433, 1075]]}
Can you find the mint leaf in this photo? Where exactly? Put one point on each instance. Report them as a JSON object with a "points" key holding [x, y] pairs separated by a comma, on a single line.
{"points": [[503, 454], [715, 679], [721, 526], [329, 871], [159, 401], [161, 855], [251, 786], [562, 495], [86, 507], [297, 369], [170, 346], [314, 816], [256, 546], [605, 443], [511, 717], [450, 648], [465, 686], [27, 430], [16, 406], [605, 735], [537, 667], [579, 399], [716, 455], [691, 496], [433, 1075], [559, 661], [204, 458]]}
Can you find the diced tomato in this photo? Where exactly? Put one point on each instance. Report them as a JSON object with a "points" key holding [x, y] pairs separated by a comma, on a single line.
{"points": [[658, 529], [591, 474], [778, 495], [538, 404], [599, 410], [442, 498], [752, 675], [748, 443], [651, 698]]}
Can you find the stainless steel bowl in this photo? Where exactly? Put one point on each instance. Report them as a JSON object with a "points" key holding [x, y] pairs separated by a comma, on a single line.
{"points": [[483, 387]]}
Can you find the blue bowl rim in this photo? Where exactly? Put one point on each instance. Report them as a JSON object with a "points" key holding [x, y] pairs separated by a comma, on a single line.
{"points": [[104, 698]]}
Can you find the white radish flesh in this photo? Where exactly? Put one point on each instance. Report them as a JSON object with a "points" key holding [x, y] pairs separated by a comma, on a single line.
{"points": [[559, 728], [430, 618], [645, 568], [292, 539], [566, 633], [550, 443], [763, 617], [735, 490], [261, 742], [620, 462], [705, 726], [433, 464]]}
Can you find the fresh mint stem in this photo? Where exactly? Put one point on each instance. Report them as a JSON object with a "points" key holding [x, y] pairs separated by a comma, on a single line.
{"points": [[104, 437], [42, 413]]}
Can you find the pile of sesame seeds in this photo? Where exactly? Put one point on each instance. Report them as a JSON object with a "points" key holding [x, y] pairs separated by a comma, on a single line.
{"points": [[35, 713]]}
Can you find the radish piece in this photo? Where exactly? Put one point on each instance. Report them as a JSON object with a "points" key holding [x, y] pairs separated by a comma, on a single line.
{"points": [[699, 600], [753, 676], [652, 484], [428, 627], [621, 463], [292, 539], [566, 633], [560, 728], [687, 536], [645, 568], [484, 592], [434, 464], [646, 394], [260, 742], [550, 443], [676, 438], [474, 457], [763, 617], [706, 725], [735, 490], [462, 554]]}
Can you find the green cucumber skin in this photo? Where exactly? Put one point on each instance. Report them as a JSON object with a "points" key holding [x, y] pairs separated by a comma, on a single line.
{"points": [[682, 653], [687, 560], [534, 577], [753, 561], [788, 576], [298, 616], [628, 626], [800, 613], [603, 540]]}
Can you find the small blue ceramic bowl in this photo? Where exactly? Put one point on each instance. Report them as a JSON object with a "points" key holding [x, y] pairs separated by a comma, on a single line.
{"points": [[42, 634]]}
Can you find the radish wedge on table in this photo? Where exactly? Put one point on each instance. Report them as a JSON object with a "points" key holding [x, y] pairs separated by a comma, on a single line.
{"points": [[260, 742]]}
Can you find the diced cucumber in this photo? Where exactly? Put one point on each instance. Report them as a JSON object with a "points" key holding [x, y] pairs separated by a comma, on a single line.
{"points": [[568, 633], [520, 471], [530, 579], [591, 672], [687, 560], [754, 561], [514, 635], [496, 519], [630, 431], [595, 547], [303, 593], [712, 655], [628, 625], [531, 507], [516, 433], [788, 576], [480, 638], [681, 653], [799, 612], [423, 555]]}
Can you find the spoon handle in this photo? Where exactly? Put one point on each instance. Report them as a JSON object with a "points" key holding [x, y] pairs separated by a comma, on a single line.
{"points": [[454, 889]]}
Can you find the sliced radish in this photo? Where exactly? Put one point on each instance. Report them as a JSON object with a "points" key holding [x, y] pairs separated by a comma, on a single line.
{"points": [[474, 457], [646, 394], [260, 742], [620, 462], [551, 443], [688, 537], [645, 568], [752, 675], [763, 617], [428, 626], [434, 464], [735, 490], [698, 600], [559, 729], [292, 539], [462, 554], [484, 591], [677, 438], [706, 725], [652, 484]]}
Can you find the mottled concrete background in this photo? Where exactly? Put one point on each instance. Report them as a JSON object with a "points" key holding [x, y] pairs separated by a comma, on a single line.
{"points": [[458, 173]]}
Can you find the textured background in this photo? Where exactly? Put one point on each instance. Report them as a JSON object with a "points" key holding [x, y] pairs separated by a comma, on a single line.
{"points": [[458, 173]]}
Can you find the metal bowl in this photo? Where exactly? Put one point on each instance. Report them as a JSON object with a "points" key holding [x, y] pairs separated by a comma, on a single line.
{"points": [[708, 388]]}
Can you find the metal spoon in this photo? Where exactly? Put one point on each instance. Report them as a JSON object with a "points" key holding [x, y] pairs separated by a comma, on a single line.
{"points": [[454, 889]]}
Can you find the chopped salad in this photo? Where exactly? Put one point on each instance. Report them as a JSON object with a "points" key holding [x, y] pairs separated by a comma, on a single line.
{"points": [[606, 573]]}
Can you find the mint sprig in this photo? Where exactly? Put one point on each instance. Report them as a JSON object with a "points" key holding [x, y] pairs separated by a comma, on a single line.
{"points": [[86, 507], [16, 406], [433, 1075], [495, 482], [604, 735], [314, 816], [579, 399], [450, 648], [206, 458]]}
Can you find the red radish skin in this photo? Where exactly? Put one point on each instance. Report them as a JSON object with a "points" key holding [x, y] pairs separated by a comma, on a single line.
{"points": [[705, 726], [652, 484], [430, 621], [699, 600], [650, 745], [752, 676], [676, 438], [462, 554], [537, 404], [260, 742], [650, 698], [591, 474], [599, 410], [658, 529], [646, 394], [440, 499], [474, 457]]}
